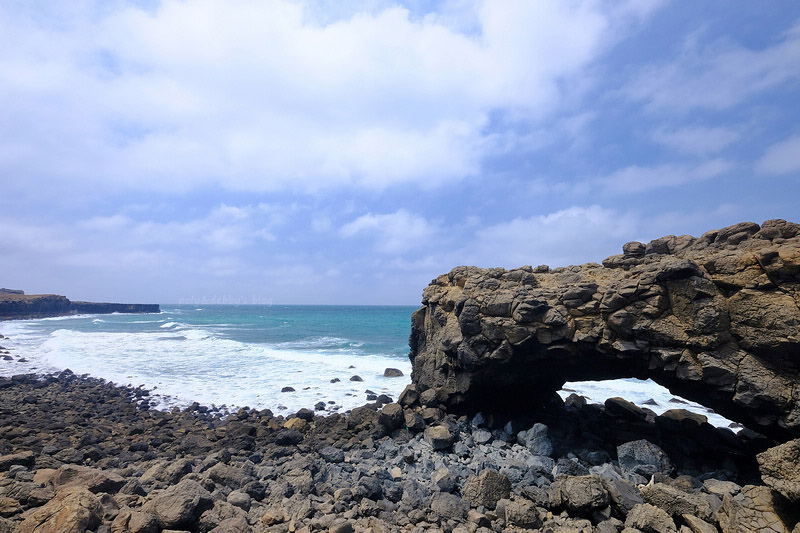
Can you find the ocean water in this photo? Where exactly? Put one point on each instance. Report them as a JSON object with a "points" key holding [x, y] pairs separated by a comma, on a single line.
{"points": [[242, 355]]}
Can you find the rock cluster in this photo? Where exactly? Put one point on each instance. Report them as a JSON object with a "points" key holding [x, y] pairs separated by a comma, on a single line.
{"points": [[79, 454], [715, 319]]}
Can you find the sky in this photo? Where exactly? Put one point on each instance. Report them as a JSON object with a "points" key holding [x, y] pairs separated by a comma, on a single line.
{"points": [[335, 152]]}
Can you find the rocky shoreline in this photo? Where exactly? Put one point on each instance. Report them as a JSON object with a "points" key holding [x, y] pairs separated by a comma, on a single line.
{"points": [[81, 454], [15, 304], [480, 441]]}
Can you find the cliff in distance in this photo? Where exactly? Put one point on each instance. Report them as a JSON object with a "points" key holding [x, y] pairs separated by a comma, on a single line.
{"points": [[715, 319], [15, 304]]}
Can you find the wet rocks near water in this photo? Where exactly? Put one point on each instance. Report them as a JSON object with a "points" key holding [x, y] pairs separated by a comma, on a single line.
{"points": [[90, 456]]}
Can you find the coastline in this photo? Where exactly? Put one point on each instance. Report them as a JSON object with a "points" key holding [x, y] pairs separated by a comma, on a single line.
{"points": [[15, 304], [97, 455]]}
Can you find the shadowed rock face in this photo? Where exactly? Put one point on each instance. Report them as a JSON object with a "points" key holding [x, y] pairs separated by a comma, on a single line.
{"points": [[15, 304], [715, 319]]}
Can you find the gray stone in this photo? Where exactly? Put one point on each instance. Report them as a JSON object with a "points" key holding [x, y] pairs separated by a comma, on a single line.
{"points": [[449, 506], [644, 458], [481, 436], [581, 495], [444, 480], [538, 441], [239, 499], [331, 454], [623, 495]]}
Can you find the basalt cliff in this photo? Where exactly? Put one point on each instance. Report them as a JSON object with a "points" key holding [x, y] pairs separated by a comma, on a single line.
{"points": [[715, 319], [16, 304]]}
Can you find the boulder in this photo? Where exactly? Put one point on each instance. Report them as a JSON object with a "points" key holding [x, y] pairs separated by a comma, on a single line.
{"points": [[579, 495], [644, 458], [757, 509], [392, 373], [439, 437], [180, 505], [134, 521], [487, 488], [25, 458], [83, 476], [538, 441], [169, 472], [449, 506], [676, 502], [697, 525], [650, 519], [391, 416], [522, 514], [715, 319], [74, 509], [780, 469], [331, 454]]}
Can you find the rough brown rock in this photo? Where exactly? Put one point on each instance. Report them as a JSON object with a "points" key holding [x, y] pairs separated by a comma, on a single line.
{"points": [[487, 488], [83, 476], [650, 519], [580, 495], [25, 458], [179, 505], [715, 319], [780, 469], [71, 510], [676, 502], [757, 509]]}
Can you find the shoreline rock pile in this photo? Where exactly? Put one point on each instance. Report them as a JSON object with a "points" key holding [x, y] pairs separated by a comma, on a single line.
{"points": [[80, 454]]}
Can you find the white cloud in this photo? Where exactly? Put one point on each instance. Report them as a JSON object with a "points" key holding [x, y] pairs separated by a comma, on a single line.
{"points": [[33, 240], [635, 178], [569, 236], [394, 232], [781, 158], [697, 140], [718, 76], [262, 95]]}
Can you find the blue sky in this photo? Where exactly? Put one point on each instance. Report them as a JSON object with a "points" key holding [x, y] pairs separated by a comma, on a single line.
{"points": [[349, 152]]}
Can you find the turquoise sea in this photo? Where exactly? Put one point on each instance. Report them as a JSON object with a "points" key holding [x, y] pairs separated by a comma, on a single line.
{"points": [[231, 355], [243, 355]]}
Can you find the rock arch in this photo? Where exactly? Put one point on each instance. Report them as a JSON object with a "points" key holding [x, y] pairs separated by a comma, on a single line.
{"points": [[715, 319]]}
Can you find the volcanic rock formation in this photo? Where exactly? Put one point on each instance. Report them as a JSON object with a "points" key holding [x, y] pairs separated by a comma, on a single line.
{"points": [[16, 304], [715, 319]]}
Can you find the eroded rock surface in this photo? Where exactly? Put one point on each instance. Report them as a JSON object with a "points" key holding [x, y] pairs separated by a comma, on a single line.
{"points": [[715, 319]]}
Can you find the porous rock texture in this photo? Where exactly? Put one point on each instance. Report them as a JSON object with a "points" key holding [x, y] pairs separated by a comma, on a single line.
{"points": [[715, 319]]}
